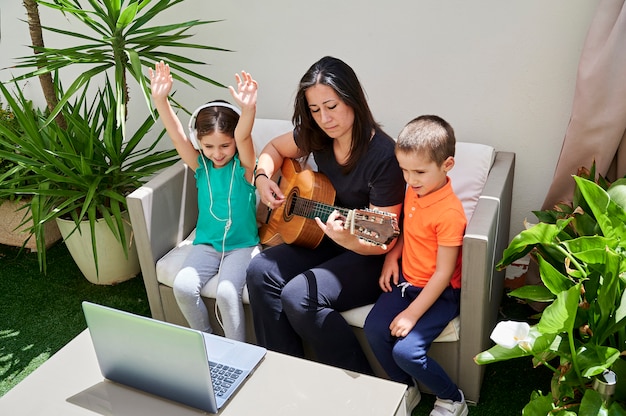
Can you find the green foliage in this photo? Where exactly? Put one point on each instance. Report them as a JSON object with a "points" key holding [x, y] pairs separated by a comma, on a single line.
{"points": [[86, 170], [18, 175], [580, 250], [118, 35], [82, 172]]}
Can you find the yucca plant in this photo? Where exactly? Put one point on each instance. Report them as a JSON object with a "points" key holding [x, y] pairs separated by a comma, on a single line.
{"points": [[118, 36], [18, 175], [83, 172], [86, 166]]}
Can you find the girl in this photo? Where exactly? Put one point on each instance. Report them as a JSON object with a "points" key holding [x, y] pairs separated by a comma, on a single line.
{"points": [[226, 231]]}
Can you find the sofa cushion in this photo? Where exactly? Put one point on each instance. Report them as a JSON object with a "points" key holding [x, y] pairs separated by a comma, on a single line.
{"points": [[168, 266], [266, 129], [356, 318], [469, 174]]}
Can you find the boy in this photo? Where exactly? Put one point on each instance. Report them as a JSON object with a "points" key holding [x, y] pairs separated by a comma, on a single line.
{"points": [[421, 293]]}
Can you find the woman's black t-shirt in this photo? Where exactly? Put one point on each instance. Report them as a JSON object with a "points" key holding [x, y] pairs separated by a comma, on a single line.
{"points": [[376, 179]]}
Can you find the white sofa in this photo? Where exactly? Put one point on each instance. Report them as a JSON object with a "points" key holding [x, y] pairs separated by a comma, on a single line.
{"points": [[163, 213]]}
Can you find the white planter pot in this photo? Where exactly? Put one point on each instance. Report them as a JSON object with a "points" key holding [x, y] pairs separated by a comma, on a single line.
{"points": [[113, 266], [10, 218]]}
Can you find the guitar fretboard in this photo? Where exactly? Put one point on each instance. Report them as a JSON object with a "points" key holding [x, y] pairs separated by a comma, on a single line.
{"points": [[308, 208]]}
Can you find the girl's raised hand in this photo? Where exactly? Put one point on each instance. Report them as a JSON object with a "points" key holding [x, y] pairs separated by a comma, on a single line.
{"points": [[160, 80], [245, 96]]}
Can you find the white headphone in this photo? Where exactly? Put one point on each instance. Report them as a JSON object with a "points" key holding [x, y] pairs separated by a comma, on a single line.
{"points": [[193, 132]]}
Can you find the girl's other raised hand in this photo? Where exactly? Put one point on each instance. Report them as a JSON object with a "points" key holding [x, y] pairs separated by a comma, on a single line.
{"points": [[246, 92], [160, 80]]}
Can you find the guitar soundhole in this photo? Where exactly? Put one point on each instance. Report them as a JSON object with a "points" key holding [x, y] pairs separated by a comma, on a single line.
{"points": [[290, 204]]}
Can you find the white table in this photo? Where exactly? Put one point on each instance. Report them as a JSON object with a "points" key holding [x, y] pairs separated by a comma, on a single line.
{"points": [[70, 383]]}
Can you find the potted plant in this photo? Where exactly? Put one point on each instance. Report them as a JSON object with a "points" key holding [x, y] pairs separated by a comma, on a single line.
{"points": [[76, 174], [580, 336], [87, 165], [14, 229]]}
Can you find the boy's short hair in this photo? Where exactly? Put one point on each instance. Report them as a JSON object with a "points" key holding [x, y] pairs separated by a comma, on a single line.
{"points": [[430, 134]]}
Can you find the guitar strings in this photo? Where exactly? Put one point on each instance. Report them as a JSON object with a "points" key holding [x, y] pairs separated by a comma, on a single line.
{"points": [[310, 209]]}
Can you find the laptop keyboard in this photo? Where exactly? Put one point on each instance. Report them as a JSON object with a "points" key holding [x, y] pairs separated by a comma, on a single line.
{"points": [[223, 377]]}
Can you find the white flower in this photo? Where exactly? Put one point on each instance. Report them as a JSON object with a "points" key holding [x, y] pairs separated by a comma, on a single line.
{"points": [[508, 334]]}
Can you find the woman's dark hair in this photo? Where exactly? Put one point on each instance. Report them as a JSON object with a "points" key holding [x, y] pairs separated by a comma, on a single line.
{"points": [[339, 76], [216, 118]]}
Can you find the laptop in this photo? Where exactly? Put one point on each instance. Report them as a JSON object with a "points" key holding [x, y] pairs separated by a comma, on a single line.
{"points": [[181, 364]]}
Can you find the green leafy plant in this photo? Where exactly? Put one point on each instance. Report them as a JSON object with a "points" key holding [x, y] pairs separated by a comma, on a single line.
{"points": [[86, 165], [9, 170], [580, 251], [117, 35], [82, 172]]}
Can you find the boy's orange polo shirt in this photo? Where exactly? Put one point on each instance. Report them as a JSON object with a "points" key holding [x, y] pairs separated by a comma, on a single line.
{"points": [[437, 219]]}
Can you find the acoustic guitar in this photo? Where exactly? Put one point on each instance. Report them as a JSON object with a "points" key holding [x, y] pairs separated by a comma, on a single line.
{"points": [[309, 194]]}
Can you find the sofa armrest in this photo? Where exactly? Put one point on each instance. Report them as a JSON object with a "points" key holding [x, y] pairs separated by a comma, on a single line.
{"points": [[162, 212], [486, 237]]}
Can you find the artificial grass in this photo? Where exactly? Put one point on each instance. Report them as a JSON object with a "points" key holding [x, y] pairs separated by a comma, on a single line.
{"points": [[40, 314]]}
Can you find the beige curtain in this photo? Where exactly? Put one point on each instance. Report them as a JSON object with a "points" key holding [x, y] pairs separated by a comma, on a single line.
{"points": [[598, 122]]}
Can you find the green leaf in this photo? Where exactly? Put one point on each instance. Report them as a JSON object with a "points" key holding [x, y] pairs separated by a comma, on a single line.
{"points": [[617, 192], [545, 342], [615, 409], [554, 280], [127, 16], [534, 293], [498, 353], [609, 289], [549, 216], [537, 344], [620, 313], [523, 243], [539, 405], [594, 359], [560, 315], [580, 246], [585, 224], [610, 216], [592, 404]]}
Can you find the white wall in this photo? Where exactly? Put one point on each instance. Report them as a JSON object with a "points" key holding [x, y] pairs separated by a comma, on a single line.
{"points": [[501, 72]]}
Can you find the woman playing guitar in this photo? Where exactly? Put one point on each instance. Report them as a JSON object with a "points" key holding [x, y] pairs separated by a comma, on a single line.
{"points": [[296, 293]]}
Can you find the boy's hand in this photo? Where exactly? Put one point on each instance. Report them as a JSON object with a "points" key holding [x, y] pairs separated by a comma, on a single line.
{"points": [[246, 93], [160, 80], [389, 275], [402, 324]]}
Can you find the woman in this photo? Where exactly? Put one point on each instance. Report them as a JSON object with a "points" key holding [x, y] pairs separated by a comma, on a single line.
{"points": [[296, 293]]}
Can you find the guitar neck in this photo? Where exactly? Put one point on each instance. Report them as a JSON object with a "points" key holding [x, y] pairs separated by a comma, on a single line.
{"points": [[308, 208]]}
